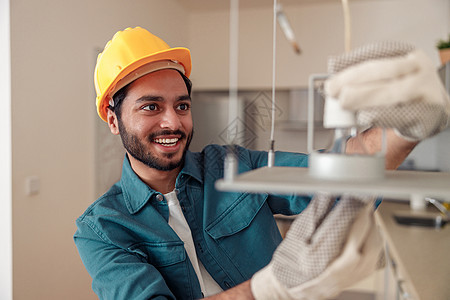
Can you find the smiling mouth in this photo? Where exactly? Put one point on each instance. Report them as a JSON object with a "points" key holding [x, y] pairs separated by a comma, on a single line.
{"points": [[167, 142]]}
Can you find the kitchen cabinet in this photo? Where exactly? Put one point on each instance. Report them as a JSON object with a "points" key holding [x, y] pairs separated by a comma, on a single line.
{"points": [[418, 267]]}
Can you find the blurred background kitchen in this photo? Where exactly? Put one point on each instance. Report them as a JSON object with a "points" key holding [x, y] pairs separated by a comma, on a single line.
{"points": [[58, 156]]}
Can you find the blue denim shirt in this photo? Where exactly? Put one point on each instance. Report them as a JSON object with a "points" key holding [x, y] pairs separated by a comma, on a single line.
{"points": [[131, 252]]}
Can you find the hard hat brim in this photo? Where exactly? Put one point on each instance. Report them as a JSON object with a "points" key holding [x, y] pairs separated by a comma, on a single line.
{"points": [[180, 55]]}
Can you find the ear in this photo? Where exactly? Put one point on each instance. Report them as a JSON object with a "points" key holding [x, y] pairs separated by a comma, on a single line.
{"points": [[113, 123]]}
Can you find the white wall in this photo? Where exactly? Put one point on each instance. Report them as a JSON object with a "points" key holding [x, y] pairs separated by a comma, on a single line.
{"points": [[5, 156], [53, 118]]}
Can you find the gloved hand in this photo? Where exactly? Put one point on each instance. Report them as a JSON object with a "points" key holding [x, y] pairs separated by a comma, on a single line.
{"points": [[326, 250], [390, 85]]}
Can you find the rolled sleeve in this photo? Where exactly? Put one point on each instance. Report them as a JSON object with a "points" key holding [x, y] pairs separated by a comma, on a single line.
{"points": [[117, 273]]}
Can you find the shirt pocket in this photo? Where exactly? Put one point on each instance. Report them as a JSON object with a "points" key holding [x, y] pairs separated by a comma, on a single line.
{"points": [[170, 259], [247, 233], [160, 254], [237, 217]]}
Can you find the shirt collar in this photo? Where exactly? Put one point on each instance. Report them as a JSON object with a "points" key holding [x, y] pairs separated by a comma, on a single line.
{"points": [[193, 166], [137, 193]]}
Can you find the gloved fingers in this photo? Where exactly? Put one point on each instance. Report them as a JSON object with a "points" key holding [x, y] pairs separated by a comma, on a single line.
{"points": [[303, 254], [361, 229], [374, 71], [312, 273], [307, 222], [415, 103], [384, 49], [373, 242], [387, 82], [292, 262], [364, 245], [325, 223], [414, 121], [361, 249], [358, 259], [412, 87], [330, 237]]}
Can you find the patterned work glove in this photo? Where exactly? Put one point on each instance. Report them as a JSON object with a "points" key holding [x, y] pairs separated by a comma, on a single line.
{"points": [[390, 85], [326, 250]]}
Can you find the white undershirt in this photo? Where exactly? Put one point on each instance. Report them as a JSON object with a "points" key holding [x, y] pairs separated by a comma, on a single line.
{"points": [[178, 223]]}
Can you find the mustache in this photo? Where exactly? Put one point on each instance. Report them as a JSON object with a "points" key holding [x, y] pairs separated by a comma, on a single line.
{"points": [[153, 135]]}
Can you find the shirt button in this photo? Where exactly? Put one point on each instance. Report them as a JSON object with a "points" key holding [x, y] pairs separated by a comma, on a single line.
{"points": [[227, 284], [159, 197]]}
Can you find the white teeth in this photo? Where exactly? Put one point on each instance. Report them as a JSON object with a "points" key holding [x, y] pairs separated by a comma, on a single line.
{"points": [[167, 142]]}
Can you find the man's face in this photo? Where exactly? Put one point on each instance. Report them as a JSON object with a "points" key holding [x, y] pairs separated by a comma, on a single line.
{"points": [[156, 122]]}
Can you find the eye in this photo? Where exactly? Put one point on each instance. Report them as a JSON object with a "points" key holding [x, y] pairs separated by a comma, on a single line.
{"points": [[150, 107], [184, 106]]}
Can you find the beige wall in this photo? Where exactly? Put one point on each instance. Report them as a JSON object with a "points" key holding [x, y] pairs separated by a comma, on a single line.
{"points": [[53, 47], [319, 28]]}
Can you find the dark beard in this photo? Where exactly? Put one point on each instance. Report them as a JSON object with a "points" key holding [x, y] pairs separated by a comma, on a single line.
{"points": [[137, 150]]}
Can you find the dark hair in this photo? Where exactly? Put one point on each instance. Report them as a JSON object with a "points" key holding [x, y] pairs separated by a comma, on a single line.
{"points": [[187, 82], [118, 99], [120, 95]]}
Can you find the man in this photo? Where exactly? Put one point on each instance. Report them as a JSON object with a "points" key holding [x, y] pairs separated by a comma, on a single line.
{"points": [[163, 230]]}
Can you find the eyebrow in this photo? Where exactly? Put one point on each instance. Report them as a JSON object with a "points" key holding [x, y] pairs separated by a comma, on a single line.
{"points": [[150, 98]]}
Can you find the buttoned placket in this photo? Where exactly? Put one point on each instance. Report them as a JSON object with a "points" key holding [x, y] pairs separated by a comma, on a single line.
{"points": [[161, 205], [159, 197], [197, 234]]}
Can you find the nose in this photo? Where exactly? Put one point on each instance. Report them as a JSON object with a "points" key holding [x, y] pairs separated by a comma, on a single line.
{"points": [[170, 120]]}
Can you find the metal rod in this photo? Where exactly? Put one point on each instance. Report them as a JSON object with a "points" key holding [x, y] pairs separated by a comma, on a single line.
{"points": [[271, 156], [231, 163], [439, 206], [233, 76], [311, 89], [348, 25], [287, 29]]}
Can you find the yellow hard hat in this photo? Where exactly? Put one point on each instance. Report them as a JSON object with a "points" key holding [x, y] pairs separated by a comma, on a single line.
{"points": [[130, 54]]}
